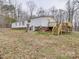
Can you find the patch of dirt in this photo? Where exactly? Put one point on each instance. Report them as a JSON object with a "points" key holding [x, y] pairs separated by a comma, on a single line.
{"points": [[19, 44]]}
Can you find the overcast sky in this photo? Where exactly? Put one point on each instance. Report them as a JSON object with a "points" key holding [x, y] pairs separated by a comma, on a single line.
{"points": [[46, 4]]}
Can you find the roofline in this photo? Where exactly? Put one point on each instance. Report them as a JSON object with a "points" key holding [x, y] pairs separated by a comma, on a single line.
{"points": [[42, 16]]}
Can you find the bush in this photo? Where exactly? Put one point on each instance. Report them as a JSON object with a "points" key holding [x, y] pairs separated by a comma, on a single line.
{"points": [[62, 28]]}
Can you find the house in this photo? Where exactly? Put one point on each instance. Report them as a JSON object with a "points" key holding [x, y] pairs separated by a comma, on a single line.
{"points": [[43, 23], [21, 24]]}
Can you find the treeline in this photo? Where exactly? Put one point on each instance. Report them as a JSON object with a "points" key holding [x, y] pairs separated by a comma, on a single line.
{"points": [[13, 9]]}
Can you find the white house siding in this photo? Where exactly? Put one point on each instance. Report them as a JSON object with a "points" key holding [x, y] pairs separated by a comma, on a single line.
{"points": [[44, 22], [19, 24], [39, 22]]}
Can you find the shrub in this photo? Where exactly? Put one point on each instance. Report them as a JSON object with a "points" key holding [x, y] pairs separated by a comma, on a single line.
{"points": [[62, 28]]}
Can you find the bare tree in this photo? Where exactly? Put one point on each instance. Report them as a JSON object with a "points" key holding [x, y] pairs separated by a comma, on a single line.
{"points": [[72, 7], [31, 6], [1, 4], [54, 13], [16, 9], [41, 12], [19, 10]]}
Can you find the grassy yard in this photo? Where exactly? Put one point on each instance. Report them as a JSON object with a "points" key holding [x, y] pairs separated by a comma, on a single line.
{"points": [[19, 44]]}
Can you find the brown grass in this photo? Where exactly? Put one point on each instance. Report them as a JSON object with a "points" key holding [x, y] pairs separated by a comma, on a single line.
{"points": [[19, 44]]}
